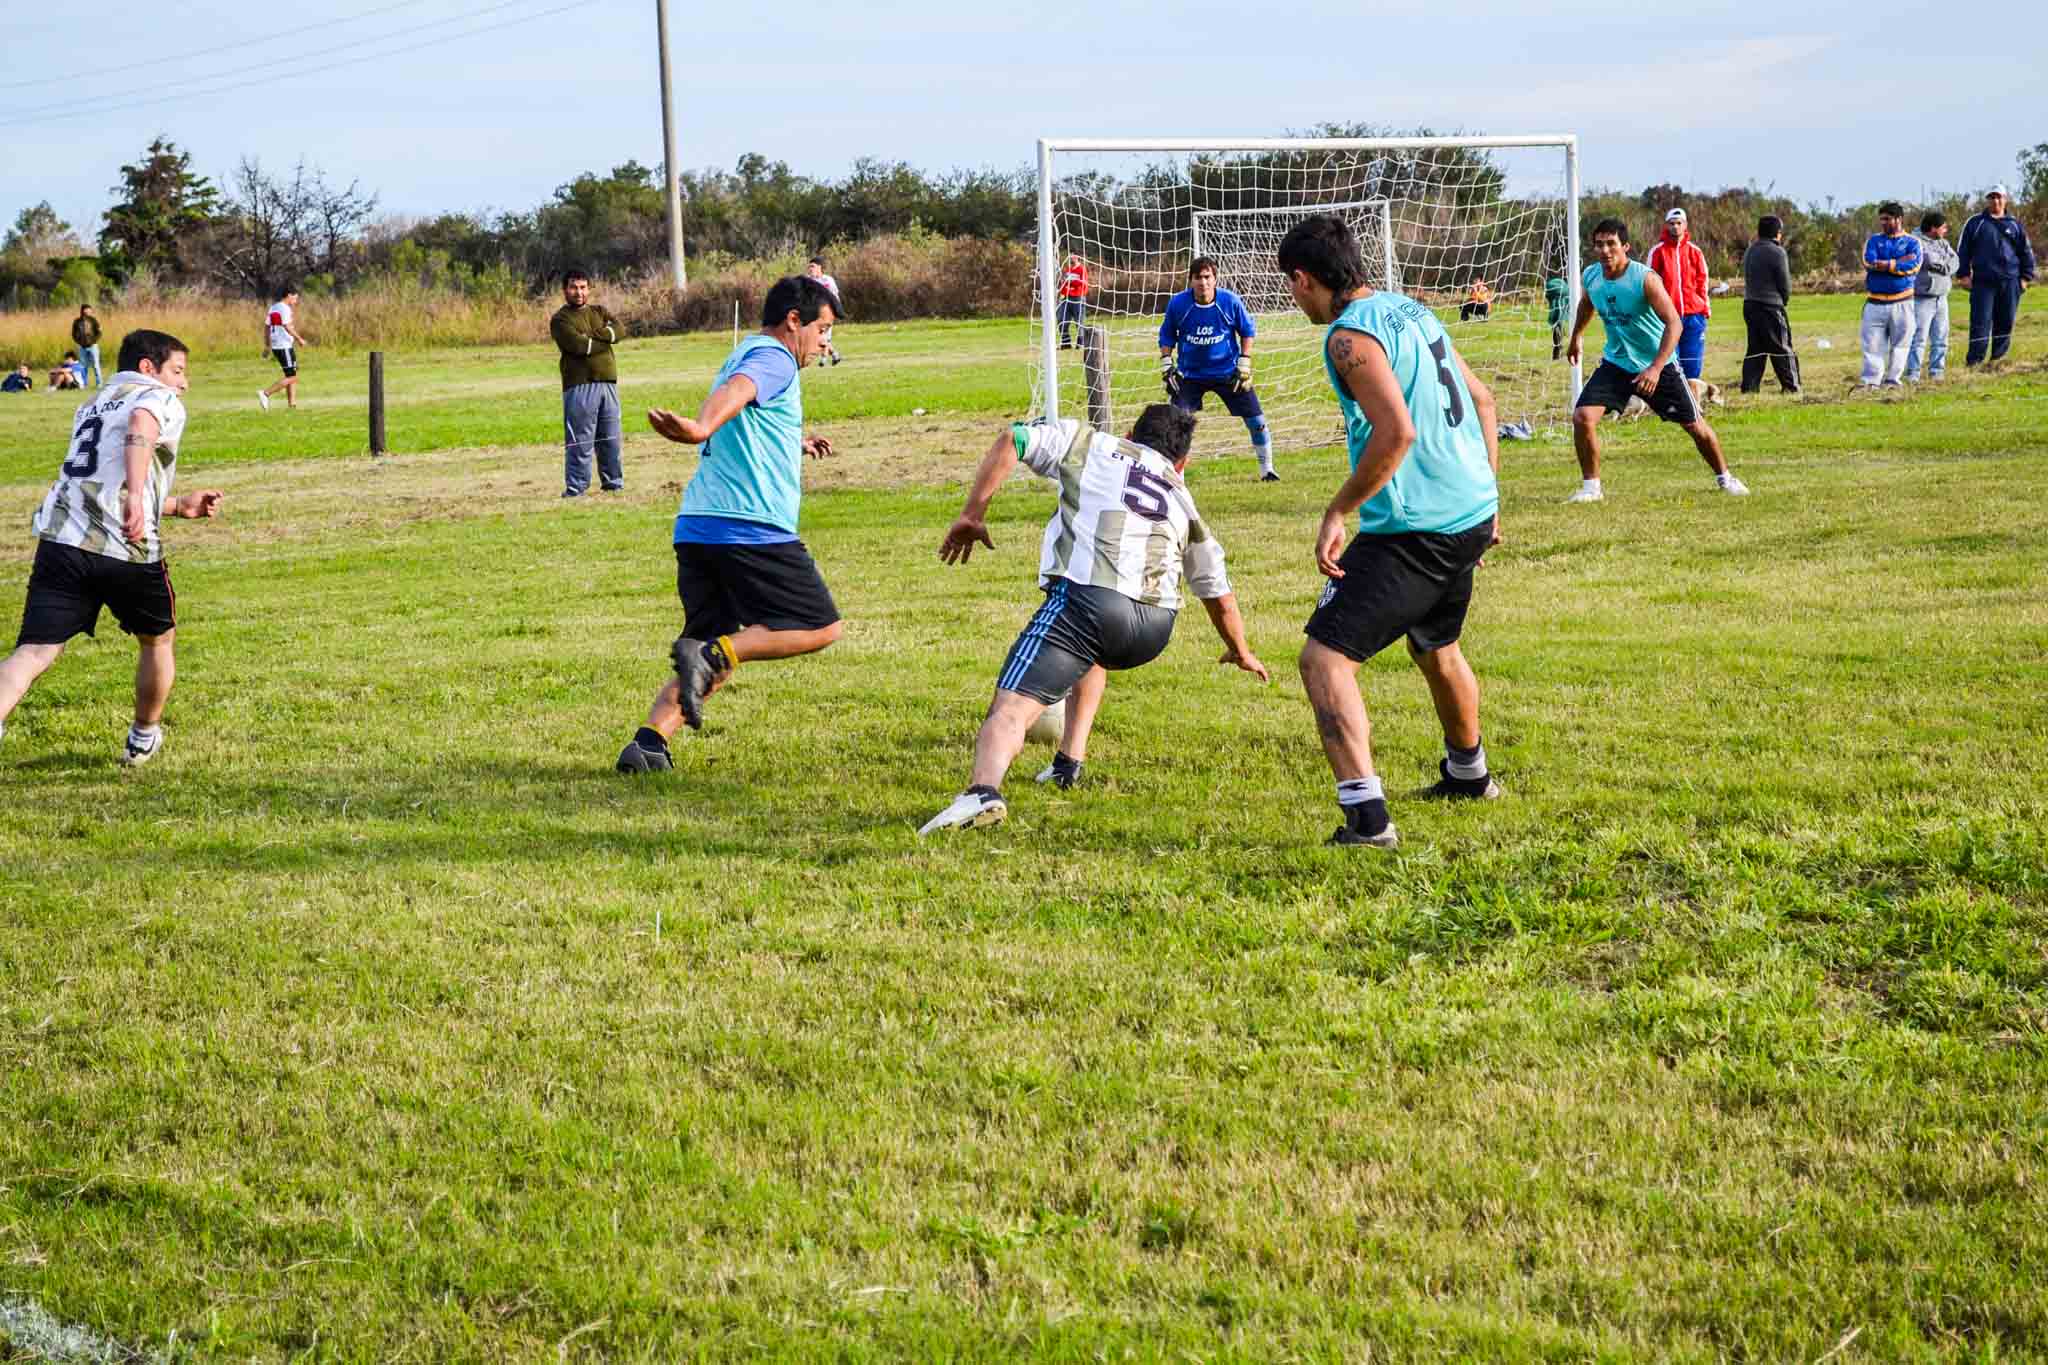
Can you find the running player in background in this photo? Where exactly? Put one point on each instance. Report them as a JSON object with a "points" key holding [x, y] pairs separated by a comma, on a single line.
{"points": [[1125, 533], [1205, 346], [282, 335], [98, 539], [816, 270]]}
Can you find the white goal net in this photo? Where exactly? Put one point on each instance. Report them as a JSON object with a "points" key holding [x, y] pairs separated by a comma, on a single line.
{"points": [[1451, 222]]}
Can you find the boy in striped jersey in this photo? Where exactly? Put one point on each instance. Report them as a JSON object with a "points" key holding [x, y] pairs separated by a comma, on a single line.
{"points": [[99, 543], [1113, 556]]}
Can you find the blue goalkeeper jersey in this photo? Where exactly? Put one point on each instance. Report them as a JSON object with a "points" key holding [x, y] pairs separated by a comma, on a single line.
{"points": [[1206, 334]]}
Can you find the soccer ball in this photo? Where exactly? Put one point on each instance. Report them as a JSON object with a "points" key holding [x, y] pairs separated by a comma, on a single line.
{"points": [[1050, 725]]}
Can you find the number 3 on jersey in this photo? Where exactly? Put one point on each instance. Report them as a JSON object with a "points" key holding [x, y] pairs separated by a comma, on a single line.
{"points": [[86, 460]]}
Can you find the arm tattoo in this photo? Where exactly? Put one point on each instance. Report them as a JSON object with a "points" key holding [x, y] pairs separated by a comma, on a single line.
{"points": [[134, 439], [1346, 361]]}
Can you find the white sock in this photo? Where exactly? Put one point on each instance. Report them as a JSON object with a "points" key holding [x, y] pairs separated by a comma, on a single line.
{"points": [[1589, 485], [1465, 772], [144, 735], [1359, 790], [1265, 454], [1723, 477]]}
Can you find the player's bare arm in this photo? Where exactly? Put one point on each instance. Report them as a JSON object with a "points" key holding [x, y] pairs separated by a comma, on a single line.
{"points": [[970, 528], [722, 405], [1223, 615], [1487, 413], [196, 506], [1667, 313], [1573, 351], [1362, 367], [137, 450]]}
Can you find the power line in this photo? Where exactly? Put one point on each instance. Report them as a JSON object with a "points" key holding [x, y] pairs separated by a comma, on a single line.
{"points": [[62, 113]]}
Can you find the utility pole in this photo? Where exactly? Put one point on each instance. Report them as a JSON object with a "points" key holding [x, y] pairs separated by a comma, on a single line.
{"points": [[668, 138]]}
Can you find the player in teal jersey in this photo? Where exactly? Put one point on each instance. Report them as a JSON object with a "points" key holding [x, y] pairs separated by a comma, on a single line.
{"points": [[1424, 454], [1642, 335]]}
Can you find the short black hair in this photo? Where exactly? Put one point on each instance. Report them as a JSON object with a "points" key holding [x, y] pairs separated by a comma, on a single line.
{"points": [[287, 289], [1166, 429], [1891, 208], [1769, 226], [818, 261], [84, 308], [1324, 249], [1932, 219], [1611, 227], [575, 272], [155, 347], [802, 293], [1201, 263], [71, 355]]}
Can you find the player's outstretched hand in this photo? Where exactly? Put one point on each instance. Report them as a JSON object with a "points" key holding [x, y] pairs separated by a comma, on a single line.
{"points": [[961, 538], [1330, 544], [817, 447], [682, 430], [1247, 661], [201, 505]]}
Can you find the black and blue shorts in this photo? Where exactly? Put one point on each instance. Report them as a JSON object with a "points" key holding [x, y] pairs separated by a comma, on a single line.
{"points": [[1078, 627]]}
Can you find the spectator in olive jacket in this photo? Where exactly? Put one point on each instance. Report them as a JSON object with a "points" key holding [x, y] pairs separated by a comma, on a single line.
{"points": [[85, 330], [585, 333], [1766, 289]]}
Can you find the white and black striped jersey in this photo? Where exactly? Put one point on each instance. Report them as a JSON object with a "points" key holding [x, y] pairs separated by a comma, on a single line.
{"points": [[1126, 519], [84, 507]]}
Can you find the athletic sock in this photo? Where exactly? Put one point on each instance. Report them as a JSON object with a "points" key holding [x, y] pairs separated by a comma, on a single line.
{"points": [[1721, 479], [1064, 768], [1364, 803], [720, 654], [144, 736], [1265, 454], [1467, 765], [982, 789], [650, 740]]}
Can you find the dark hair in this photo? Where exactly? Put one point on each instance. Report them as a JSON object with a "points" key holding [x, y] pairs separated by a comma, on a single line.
{"points": [[1769, 226], [1201, 263], [1324, 249], [1613, 227], [818, 261], [1891, 208], [575, 272], [71, 355], [155, 347], [802, 293], [1166, 429], [84, 308], [1932, 219], [287, 289]]}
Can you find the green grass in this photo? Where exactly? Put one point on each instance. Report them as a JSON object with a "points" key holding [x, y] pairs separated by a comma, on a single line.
{"points": [[380, 1018]]}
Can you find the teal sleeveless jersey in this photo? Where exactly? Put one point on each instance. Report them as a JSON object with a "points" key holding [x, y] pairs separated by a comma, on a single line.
{"points": [[1444, 484], [753, 466], [1634, 331]]}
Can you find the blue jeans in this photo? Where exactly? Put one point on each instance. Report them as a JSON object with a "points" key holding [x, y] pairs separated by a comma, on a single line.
{"points": [[1074, 311], [1994, 305], [89, 356], [1930, 329], [1692, 343], [590, 421]]}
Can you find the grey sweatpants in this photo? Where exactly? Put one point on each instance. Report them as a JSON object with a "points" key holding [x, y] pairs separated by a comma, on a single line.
{"points": [[590, 420]]}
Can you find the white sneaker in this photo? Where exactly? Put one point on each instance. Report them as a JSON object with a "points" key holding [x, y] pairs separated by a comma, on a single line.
{"points": [[1587, 495], [134, 755], [1732, 486], [970, 810], [264, 399]]}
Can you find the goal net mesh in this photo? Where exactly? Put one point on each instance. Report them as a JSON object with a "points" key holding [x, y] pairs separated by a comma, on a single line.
{"points": [[1431, 222]]}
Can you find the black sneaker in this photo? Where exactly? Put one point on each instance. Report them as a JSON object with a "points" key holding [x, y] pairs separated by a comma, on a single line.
{"points": [[1065, 780], [1448, 788], [1386, 838], [634, 759], [696, 676], [1269, 477]]}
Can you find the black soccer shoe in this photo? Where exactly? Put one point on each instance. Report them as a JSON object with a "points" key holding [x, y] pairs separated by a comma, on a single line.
{"points": [[634, 759], [1269, 477], [1448, 788], [696, 674], [1347, 836]]}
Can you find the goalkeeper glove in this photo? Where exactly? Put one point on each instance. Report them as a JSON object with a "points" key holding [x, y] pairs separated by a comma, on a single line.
{"points": [[1169, 374], [1244, 374]]}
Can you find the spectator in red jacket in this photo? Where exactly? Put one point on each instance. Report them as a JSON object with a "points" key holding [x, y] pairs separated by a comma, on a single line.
{"points": [[1073, 299], [1678, 261]]}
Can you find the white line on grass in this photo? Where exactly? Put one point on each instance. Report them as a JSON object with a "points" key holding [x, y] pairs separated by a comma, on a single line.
{"points": [[26, 1327]]}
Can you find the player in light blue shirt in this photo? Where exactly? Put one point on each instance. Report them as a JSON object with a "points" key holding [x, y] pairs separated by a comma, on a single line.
{"points": [[1425, 448], [750, 589], [1205, 347]]}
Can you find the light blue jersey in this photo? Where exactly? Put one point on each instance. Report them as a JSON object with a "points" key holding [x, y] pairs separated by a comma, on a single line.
{"points": [[1445, 483], [1634, 331], [753, 466]]}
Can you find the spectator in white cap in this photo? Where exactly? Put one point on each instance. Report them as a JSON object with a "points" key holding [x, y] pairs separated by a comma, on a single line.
{"points": [[1678, 261], [1995, 262]]}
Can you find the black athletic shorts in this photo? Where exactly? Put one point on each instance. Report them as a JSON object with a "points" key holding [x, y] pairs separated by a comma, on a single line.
{"points": [[726, 588], [1416, 584], [68, 586], [1188, 398], [1076, 628], [287, 360], [1611, 387]]}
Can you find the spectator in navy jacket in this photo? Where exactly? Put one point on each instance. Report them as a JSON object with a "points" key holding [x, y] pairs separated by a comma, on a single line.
{"points": [[1995, 262], [1891, 260], [1766, 289]]}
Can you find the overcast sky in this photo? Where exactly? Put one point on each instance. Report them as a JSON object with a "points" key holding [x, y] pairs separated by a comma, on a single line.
{"points": [[416, 99]]}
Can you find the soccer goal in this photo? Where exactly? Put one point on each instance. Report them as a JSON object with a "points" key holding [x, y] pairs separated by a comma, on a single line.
{"points": [[1433, 215]]}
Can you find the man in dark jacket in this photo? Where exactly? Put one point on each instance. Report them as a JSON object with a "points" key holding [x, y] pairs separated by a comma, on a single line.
{"points": [[85, 330], [1995, 262], [584, 332], [1766, 289]]}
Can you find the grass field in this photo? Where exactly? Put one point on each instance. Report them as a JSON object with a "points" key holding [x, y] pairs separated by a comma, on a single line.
{"points": [[379, 1019]]}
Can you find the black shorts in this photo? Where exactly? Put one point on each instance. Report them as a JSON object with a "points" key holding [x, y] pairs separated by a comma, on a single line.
{"points": [[1611, 387], [1417, 584], [1078, 627], [68, 586], [1188, 398], [287, 360], [726, 588]]}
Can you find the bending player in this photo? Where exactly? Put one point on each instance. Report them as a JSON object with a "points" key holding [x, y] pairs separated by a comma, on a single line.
{"points": [[1205, 346], [99, 542], [1114, 553]]}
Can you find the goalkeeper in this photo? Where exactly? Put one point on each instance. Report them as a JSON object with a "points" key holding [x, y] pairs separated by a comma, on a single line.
{"points": [[1205, 346]]}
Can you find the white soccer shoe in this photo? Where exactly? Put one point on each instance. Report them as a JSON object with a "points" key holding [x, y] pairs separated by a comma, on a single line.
{"points": [[970, 810], [264, 399], [134, 755], [1732, 486], [1588, 495]]}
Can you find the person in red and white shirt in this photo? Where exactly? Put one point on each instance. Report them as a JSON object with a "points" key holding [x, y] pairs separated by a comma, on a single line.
{"points": [[1679, 263], [283, 339], [1073, 300]]}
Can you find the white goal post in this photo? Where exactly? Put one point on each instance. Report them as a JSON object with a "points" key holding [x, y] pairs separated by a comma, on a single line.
{"points": [[1446, 220]]}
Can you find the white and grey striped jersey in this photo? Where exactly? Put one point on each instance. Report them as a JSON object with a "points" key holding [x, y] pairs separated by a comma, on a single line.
{"points": [[1126, 519], [84, 507]]}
